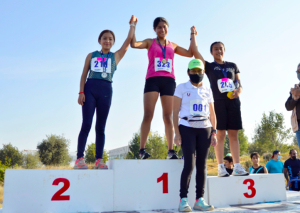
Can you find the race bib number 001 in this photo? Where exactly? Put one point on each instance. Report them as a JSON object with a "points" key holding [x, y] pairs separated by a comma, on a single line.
{"points": [[159, 66], [225, 85], [199, 107], [97, 65]]}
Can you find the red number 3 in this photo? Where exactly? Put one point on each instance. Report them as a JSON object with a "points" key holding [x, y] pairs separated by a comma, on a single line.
{"points": [[250, 187], [57, 196]]}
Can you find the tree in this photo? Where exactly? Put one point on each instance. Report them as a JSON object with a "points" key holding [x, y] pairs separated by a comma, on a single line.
{"points": [[156, 147], [12, 154], [54, 150], [31, 161], [90, 154], [134, 147], [243, 141], [270, 134]]}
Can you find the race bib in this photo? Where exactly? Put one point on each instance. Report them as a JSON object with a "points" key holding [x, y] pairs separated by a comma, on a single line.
{"points": [[199, 108], [159, 66], [225, 85], [97, 65]]}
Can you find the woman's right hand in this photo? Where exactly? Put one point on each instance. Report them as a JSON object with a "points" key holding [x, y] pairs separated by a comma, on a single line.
{"points": [[193, 30], [81, 99], [177, 139]]}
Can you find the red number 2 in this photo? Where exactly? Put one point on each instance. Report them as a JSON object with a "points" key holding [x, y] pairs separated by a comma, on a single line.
{"points": [[57, 196], [250, 187], [164, 179]]}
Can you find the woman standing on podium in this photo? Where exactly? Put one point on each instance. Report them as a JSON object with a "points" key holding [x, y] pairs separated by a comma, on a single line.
{"points": [[195, 132], [160, 79], [96, 92], [226, 86]]}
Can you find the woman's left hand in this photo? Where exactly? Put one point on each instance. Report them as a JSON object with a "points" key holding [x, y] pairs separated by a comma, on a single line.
{"points": [[133, 20], [213, 140], [236, 93]]}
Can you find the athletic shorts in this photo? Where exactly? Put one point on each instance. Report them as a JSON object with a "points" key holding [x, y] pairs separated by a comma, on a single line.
{"points": [[162, 85], [228, 114]]}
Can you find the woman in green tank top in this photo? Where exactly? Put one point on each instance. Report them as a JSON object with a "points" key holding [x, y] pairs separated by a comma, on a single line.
{"points": [[96, 92]]}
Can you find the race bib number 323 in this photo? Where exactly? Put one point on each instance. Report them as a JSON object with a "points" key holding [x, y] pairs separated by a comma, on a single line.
{"points": [[159, 66]]}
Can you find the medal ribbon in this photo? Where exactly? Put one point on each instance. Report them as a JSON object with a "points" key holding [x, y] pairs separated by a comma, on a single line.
{"points": [[163, 49], [223, 70], [104, 61]]}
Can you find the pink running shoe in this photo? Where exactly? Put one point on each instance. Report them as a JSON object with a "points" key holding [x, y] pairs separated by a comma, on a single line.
{"points": [[80, 164], [99, 164]]}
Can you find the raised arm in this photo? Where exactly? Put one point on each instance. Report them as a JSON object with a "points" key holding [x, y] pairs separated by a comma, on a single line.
{"points": [[86, 68], [181, 51], [176, 109], [145, 44], [121, 52], [194, 46]]}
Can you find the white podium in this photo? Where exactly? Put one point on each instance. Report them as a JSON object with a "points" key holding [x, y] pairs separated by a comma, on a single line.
{"points": [[128, 185], [149, 184], [246, 189], [41, 191]]}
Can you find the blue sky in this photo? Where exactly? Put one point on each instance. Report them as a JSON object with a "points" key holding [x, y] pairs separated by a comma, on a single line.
{"points": [[43, 45]]}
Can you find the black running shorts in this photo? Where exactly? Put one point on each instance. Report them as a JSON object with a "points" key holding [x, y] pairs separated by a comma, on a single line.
{"points": [[228, 114], [162, 85]]}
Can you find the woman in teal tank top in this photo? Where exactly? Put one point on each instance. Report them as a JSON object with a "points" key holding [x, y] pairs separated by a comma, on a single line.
{"points": [[96, 92]]}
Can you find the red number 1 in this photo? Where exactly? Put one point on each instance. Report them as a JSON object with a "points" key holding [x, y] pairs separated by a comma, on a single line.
{"points": [[57, 196], [164, 179], [250, 187]]}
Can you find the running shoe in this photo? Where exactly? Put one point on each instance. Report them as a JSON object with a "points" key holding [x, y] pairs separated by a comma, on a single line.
{"points": [[143, 154], [239, 170], [99, 164], [202, 205], [222, 171], [80, 164], [184, 205], [172, 154]]}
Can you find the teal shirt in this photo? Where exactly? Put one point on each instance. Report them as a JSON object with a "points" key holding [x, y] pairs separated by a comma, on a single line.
{"points": [[96, 68], [274, 166]]}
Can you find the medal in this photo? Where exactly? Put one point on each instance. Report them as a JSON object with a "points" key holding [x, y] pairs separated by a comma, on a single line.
{"points": [[104, 61], [104, 75], [164, 60]]}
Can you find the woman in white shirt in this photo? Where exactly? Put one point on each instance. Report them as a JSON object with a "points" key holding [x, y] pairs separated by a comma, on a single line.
{"points": [[195, 132]]}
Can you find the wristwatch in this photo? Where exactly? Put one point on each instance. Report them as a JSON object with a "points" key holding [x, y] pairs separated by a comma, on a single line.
{"points": [[214, 131]]}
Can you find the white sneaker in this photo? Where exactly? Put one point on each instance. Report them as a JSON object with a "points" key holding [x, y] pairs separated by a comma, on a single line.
{"points": [[222, 171], [239, 171]]}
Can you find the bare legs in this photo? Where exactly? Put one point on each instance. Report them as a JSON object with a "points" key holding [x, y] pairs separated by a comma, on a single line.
{"points": [[150, 99], [234, 145]]}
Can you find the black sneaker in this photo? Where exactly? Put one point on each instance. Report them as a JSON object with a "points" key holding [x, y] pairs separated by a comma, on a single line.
{"points": [[143, 154], [172, 154]]}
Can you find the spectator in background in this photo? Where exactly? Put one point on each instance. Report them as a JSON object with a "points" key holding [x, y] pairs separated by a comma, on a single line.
{"points": [[293, 103], [275, 165], [256, 168], [228, 163], [292, 169]]}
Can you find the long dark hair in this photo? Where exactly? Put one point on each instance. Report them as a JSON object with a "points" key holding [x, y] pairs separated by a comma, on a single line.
{"points": [[159, 19], [106, 31]]}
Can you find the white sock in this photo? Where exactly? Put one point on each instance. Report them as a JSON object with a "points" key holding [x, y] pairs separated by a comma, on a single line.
{"points": [[220, 165], [237, 164]]}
